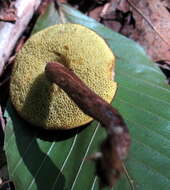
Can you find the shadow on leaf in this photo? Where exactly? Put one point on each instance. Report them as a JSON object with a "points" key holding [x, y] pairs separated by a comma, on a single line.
{"points": [[36, 159], [41, 167]]}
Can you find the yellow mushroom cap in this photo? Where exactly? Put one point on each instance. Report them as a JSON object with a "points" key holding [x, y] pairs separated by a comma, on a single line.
{"points": [[83, 51]]}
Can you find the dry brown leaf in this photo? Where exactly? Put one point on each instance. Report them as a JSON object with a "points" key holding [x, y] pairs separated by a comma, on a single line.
{"points": [[7, 12], [152, 27], [150, 24], [43, 6], [166, 3], [123, 5], [2, 121], [95, 13], [62, 1], [106, 15]]}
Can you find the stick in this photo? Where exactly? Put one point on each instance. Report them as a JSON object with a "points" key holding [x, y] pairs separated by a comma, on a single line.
{"points": [[114, 149], [11, 32]]}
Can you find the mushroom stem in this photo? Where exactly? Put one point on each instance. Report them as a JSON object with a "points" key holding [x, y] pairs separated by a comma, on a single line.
{"points": [[115, 147]]}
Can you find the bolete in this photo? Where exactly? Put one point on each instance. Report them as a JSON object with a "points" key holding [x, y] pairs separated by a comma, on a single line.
{"points": [[43, 103], [65, 69]]}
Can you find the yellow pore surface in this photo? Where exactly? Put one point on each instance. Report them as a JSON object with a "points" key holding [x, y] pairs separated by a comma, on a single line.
{"points": [[43, 103]]}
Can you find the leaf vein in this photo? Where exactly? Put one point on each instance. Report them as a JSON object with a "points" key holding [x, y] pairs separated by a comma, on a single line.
{"points": [[64, 163], [92, 138], [147, 128], [149, 96], [144, 81], [150, 168], [38, 170], [21, 159], [150, 147], [144, 110], [94, 183]]}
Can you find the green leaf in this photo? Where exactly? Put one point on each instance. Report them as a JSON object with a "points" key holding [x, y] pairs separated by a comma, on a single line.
{"points": [[49, 18], [56, 160]]}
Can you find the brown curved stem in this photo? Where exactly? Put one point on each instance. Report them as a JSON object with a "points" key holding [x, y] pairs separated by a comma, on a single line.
{"points": [[115, 147]]}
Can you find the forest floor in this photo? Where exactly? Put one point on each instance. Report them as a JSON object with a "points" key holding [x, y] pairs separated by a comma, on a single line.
{"points": [[147, 22]]}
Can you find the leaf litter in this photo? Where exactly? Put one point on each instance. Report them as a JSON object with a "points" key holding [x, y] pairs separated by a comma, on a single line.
{"points": [[146, 22], [7, 11]]}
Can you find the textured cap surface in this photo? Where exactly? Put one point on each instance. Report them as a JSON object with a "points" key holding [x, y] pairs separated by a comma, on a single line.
{"points": [[44, 104]]}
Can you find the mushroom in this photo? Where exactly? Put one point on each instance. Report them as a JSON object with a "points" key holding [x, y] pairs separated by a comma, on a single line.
{"points": [[45, 104], [61, 70]]}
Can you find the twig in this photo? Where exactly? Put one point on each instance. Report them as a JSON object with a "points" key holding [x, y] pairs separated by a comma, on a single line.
{"points": [[167, 67], [115, 147], [10, 32], [2, 122]]}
